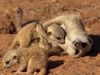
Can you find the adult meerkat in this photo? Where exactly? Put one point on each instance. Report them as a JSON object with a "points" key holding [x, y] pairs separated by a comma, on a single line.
{"points": [[72, 24], [33, 58]]}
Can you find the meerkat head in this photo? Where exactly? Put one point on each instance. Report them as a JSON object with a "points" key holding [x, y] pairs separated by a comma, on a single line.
{"points": [[56, 33], [80, 47], [10, 58], [77, 48]]}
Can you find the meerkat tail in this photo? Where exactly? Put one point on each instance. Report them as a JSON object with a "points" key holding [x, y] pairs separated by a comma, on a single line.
{"points": [[19, 18], [58, 20]]}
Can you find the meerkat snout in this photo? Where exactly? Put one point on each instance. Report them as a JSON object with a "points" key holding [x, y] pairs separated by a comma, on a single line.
{"points": [[81, 48], [10, 58], [78, 52], [7, 64]]}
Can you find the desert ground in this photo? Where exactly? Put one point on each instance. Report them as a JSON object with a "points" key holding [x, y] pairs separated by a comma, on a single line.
{"points": [[45, 10]]}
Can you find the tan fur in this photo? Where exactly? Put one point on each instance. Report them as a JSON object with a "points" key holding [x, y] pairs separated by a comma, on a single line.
{"points": [[25, 36], [76, 34], [45, 39], [56, 33], [72, 50], [33, 58]]}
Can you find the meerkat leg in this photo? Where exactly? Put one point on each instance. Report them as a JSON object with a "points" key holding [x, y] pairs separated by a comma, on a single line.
{"points": [[30, 67], [40, 30], [22, 66], [42, 35], [42, 71], [24, 44], [14, 43]]}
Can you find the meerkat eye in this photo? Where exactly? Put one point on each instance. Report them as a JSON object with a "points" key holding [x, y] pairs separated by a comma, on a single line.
{"points": [[15, 57], [83, 45], [49, 33], [58, 38], [38, 70]]}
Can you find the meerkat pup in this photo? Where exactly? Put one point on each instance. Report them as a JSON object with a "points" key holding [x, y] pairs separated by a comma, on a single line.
{"points": [[33, 58], [72, 24], [25, 36], [55, 34], [49, 38]]}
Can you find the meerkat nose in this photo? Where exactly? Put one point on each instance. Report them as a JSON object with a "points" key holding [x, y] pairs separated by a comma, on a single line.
{"points": [[7, 62], [78, 53]]}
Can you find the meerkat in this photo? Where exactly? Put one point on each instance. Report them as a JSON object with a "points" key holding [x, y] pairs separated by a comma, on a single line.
{"points": [[51, 40], [55, 34], [73, 26], [25, 36], [28, 33], [54, 31], [33, 58]]}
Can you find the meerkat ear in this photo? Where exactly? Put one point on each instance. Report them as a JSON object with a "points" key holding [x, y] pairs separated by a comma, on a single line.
{"points": [[15, 57]]}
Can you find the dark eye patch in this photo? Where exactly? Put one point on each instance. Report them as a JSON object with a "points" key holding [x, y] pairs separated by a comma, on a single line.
{"points": [[83, 45], [49, 33], [15, 57], [58, 38], [7, 62]]}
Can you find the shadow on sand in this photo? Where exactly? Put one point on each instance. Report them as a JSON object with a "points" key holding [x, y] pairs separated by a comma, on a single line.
{"points": [[54, 64], [96, 45]]}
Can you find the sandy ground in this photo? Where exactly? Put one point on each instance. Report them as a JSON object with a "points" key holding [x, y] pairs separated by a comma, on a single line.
{"points": [[45, 10]]}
